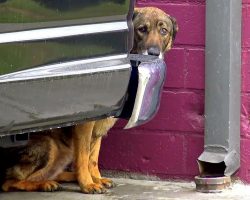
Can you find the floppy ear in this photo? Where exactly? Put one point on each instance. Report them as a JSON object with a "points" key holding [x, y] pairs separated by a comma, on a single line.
{"points": [[175, 27], [136, 12], [173, 35]]}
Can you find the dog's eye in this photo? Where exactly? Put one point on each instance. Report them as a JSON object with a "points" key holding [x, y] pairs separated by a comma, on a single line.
{"points": [[143, 29], [164, 31]]}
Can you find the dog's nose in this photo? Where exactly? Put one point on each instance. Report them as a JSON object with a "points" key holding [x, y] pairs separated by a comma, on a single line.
{"points": [[154, 51]]}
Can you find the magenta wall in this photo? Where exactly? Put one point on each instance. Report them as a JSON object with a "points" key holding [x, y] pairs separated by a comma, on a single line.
{"points": [[245, 107], [169, 145]]}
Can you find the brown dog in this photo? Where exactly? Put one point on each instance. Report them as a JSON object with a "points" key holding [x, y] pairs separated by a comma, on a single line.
{"points": [[40, 164], [154, 31], [37, 166]]}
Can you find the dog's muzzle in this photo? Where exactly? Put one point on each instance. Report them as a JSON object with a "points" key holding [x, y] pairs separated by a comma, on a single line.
{"points": [[154, 51]]}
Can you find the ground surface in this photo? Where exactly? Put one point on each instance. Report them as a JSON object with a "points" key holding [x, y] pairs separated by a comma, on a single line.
{"points": [[128, 189]]}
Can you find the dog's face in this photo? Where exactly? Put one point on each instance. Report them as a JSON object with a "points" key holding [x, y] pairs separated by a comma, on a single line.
{"points": [[154, 31]]}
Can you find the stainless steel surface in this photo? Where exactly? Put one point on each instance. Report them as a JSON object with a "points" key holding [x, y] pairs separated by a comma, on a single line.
{"points": [[88, 66], [22, 55], [67, 31], [35, 33], [222, 92], [63, 94], [151, 76], [62, 62], [17, 15]]}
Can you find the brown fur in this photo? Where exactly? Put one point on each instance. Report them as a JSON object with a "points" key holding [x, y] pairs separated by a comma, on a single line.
{"points": [[41, 163], [153, 28]]}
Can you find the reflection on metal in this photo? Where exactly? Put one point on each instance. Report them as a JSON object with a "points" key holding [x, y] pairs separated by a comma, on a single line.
{"points": [[62, 32], [212, 184], [88, 66], [34, 103], [221, 156], [40, 32], [14, 27], [18, 56], [74, 55], [151, 76], [39, 11]]}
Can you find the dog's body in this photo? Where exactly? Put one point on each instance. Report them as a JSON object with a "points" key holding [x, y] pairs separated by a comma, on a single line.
{"points": [[40, 164]]}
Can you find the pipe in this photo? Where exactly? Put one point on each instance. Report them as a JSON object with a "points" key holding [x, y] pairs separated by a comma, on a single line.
{"points": [[221, 156]]}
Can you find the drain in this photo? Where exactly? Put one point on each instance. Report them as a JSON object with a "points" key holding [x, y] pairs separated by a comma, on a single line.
{"points": [[212, 184]]}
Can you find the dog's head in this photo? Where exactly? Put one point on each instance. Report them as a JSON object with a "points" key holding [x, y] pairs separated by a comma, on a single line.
{"points": [[154, 31]]}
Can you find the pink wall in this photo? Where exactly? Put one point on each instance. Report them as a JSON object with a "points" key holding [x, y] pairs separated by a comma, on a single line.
{"points": [[245, 107], [169, 145]]}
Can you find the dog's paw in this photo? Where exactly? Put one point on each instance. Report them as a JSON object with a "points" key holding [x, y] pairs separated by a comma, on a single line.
{"points": [[24, 185], [107, 183], [6, 187], [50, 186], [93, 188]]}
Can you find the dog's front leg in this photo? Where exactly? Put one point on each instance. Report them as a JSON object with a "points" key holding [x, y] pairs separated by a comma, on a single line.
{"points": [[82, 139], [101, 129], [93, 164]]}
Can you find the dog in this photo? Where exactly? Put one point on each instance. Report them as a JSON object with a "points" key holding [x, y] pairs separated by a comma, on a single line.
{"points": [[41, 164], [154, 31]]}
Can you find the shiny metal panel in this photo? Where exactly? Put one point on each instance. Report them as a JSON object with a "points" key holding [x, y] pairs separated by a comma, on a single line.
{"points": [[37, 103], [67, 31], [17, 56], [88, 66], [62, 62], [35, 14], [151, 76], [34, 33]]}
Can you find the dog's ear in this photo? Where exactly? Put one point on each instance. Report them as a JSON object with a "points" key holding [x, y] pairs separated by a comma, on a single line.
{"points": [[175, 27], [174, 32], [136, 12]]}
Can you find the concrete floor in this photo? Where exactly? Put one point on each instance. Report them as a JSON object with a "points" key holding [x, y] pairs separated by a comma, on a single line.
{"points": [[128, 189]]}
